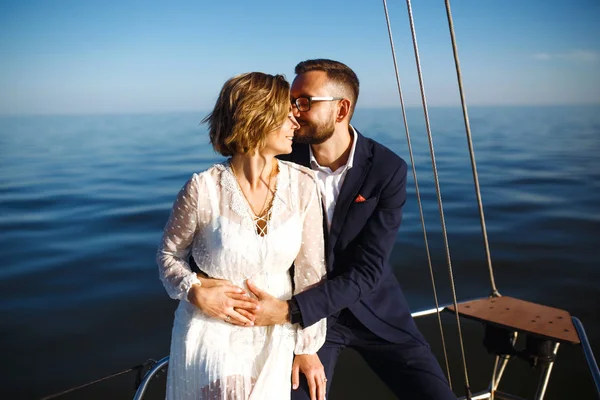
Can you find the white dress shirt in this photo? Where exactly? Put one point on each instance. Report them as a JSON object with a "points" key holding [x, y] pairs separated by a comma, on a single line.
{"points": [[330, 182]]}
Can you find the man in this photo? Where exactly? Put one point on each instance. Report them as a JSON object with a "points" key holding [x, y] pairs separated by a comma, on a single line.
{"points": [[363, 186]]}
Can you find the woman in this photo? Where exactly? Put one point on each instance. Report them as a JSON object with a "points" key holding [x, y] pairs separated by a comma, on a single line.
{"points": [[250, 217]]}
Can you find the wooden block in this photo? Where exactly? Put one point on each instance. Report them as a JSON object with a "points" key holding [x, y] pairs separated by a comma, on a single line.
{"points": [[522, 316]]}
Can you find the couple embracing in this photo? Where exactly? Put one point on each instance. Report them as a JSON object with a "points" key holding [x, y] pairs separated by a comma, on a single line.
{"points": [[280, 255]]}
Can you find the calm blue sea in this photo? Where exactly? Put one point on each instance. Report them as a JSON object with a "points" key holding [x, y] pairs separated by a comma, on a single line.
{"points": [[83, 200]]}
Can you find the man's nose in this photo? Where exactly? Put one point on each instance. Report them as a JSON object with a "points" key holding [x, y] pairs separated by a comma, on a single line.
{"points": [[295, 123], [295, 111]]}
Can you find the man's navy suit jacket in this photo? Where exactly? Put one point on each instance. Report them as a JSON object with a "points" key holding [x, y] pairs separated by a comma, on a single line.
{"points": [[359, 243]]}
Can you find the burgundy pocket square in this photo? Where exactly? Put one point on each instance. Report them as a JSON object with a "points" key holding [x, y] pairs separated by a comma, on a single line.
{"points": [[359, 199]]}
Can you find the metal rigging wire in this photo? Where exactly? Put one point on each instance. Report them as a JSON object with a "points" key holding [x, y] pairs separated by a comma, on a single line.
{"points": [[438, 191], [463, 102], [414, 172], [138, 368]]}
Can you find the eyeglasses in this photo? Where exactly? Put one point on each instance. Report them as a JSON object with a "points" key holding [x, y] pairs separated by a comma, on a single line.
{"points": [[304, 103]]}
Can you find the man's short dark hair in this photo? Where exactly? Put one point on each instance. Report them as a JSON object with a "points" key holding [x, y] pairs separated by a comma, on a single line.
{"points": [[336, 71]]}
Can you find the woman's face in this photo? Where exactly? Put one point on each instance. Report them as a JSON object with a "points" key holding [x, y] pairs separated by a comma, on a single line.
{"points": [[280, 140]]}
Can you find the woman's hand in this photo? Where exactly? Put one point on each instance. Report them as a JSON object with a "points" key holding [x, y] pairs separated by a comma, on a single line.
{"points": [[310, 365], [218, 298]]}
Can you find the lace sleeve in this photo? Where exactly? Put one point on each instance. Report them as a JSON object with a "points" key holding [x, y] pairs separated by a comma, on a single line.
{"points": [[310, 262], [176, 244]]}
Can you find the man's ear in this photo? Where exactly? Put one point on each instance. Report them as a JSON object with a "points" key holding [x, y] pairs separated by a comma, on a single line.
{"points": [[343, 110]]}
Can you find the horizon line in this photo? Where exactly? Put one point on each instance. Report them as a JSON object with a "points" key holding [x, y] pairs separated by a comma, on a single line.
{"points": [[190, 111]]}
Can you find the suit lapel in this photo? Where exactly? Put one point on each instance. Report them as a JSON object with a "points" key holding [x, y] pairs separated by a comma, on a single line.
{"points": [[300, 155], [352, 184]]}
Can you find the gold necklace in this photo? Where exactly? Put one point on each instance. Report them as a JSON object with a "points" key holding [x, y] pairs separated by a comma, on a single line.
{"points": [[261, 214]]}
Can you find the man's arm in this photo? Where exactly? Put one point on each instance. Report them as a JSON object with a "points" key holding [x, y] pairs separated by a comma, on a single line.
{"points": [[365, 272], [221, 299], [369, 261]]}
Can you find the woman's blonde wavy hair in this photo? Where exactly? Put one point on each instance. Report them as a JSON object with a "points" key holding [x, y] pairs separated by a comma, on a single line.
{"points": [[250, 106]]}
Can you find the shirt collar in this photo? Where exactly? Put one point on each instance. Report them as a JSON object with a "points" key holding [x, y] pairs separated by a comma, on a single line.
{"points": [[315, 165]]}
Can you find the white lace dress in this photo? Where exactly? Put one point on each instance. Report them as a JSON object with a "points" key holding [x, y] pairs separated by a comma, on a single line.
{"points": [[212, 359]]}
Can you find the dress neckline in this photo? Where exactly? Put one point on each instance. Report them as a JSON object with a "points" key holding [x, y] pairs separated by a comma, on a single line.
{"points": [[261, 231]]}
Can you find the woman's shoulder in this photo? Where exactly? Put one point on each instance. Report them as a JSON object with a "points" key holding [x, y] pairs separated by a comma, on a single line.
{"points": [[213, 171], [302, 180], [198, 180], [298, 171]]}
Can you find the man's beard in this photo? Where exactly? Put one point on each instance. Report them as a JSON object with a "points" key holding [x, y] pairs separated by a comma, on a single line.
{"points": [[316, 134]]}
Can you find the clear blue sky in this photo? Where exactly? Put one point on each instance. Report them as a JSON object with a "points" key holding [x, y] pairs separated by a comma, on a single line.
{"points": [[60, 56]]}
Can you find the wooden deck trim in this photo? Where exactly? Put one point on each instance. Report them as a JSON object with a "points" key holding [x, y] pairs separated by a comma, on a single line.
{"points": [[521, 316]]}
